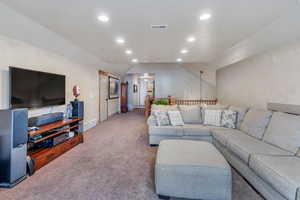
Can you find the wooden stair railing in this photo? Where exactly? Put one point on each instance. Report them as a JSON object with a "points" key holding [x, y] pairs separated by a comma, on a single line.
{"points": [[173, 101], [195, 102], [148, 102]]}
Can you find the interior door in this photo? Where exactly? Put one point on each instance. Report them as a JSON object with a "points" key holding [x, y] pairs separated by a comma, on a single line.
{"points": [[103, 97]]}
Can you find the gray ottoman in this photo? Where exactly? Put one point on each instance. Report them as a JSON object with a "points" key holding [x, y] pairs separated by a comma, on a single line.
{"points": [[191, 169]]}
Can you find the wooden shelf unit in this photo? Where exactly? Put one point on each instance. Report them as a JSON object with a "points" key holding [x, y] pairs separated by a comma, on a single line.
{"points": [[43, 156]]}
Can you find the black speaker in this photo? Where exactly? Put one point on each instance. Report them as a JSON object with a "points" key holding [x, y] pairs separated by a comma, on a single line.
{"points": [[78, 111], [13, 146]]}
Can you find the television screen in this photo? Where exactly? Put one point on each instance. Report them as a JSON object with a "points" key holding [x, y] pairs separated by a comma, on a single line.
{"points": [[34, 89]]}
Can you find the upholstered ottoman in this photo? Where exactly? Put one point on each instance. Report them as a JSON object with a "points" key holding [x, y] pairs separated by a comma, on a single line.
{"points": [[191, 169]]}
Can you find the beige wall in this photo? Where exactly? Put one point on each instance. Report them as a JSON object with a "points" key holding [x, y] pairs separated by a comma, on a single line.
{"points": [[20, 54], [273, 76], [178, 81]]}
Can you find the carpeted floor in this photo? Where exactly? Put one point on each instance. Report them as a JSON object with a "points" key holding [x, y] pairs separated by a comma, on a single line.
{"points": [[114, 163]]}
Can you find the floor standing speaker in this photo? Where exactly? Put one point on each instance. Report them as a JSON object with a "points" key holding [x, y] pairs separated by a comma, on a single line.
{"points": [[13, 146], [78, 112]]}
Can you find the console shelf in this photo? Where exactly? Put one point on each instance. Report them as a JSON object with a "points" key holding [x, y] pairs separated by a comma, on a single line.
{"points": [[48, 127], [42, 156]]}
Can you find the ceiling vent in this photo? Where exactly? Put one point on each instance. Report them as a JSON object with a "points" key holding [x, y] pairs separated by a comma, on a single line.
{"points": [[159, 26]]}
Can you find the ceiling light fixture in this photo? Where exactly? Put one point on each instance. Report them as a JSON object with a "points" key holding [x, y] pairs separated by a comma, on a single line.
{"points": [[191, 39], [103, 18], [179, 60], [120, 40], [128, 52], [134, 60], [184, 51], [205, 16]]}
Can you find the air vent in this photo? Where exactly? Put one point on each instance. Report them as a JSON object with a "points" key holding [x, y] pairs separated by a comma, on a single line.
{"points": [[159, 26]]}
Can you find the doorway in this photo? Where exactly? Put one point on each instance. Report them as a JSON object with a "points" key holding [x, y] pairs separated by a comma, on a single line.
{"points": [[146, 87]]}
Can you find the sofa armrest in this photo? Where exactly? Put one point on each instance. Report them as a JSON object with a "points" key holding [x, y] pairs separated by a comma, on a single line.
{"points": [[151, 121]]}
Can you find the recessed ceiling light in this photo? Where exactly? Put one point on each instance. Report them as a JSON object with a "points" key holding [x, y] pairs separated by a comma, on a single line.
{"points": [[191, 39], [120, 40], [134, 60], [179, 60], [128, 52], [184, 51], [103, 18], [205, 16]]}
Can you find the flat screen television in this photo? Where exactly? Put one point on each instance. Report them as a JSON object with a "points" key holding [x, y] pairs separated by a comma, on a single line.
{"points": [[34, 89]]}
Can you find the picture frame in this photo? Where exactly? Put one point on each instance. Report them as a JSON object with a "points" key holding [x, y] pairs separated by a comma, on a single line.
{"points": [[135, 88], [113, 87]]}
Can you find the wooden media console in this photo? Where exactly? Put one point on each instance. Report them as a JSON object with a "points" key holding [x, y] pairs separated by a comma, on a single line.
{"points": [[43, 155]]}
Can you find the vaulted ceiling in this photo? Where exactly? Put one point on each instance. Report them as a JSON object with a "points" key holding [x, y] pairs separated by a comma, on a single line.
{"points": [[232, 23]]}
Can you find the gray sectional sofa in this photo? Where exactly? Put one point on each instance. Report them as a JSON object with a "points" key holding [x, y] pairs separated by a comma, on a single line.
{"points": [[264, 148]]}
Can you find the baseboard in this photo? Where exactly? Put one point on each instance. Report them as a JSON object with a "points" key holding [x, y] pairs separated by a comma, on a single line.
{"points": [[89, 125]]}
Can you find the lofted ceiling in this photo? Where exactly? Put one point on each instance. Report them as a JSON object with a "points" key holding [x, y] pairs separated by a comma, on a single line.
{"points": [[232, 21]]}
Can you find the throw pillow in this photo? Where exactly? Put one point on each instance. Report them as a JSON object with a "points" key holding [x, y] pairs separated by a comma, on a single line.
{"points": [[175, 118], [151, 121], [162, 118], [212, 117], [241, 112], [229, 119]]}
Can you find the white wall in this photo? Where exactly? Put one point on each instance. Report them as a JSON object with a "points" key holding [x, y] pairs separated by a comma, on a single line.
{"points": [[25, 43], [20, 54], [177, 81], [273, 76]]}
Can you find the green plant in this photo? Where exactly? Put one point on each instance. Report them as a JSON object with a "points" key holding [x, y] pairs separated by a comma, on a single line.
{"points": [[161, 102]]}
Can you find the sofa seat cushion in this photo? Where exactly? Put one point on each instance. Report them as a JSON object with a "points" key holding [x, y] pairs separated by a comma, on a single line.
{"points": [[281, 172], [243, 146], [284, 131], [223, 135], [195, 130], [191, 114], [255, 122], [166, 130]]}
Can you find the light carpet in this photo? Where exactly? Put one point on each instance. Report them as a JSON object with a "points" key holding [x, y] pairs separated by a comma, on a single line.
{"points": [[115, 162]]}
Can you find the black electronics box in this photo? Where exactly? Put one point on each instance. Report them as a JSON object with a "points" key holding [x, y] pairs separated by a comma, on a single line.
{"points": [[45, 119]]}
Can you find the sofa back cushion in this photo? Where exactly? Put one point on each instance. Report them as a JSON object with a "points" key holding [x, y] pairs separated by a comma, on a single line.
{"points": [[163, 108], [284, 131], [241, 112], [191, 114], [255, 122], [215, 107]]}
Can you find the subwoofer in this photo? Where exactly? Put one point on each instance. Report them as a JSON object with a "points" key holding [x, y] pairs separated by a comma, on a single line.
{"points": [[78, 112], [13, 146]]}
